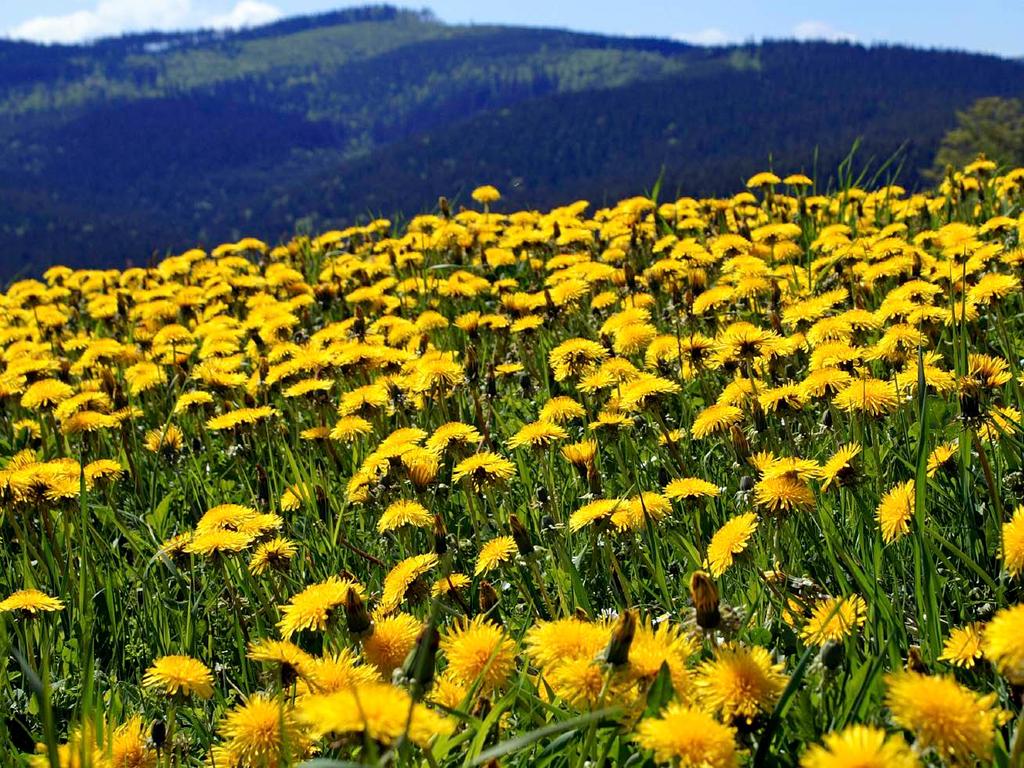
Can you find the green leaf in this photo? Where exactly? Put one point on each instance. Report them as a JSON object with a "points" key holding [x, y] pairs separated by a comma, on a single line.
{"points": [[661, 691], [528, 739]]}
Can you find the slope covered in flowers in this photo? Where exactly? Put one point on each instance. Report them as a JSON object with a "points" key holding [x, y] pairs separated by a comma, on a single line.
{"points": [[706, 483]]}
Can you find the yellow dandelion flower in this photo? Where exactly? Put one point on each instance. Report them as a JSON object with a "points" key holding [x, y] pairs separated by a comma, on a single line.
{"points": [[483, 468], [874, 397], [293, 661], [593, 512], [715, 418], [551, 642], [688, 738], [390, 641], [452, 432], [740, 683], [955, 721], [559, 410], [129, 747], [494, 553], [860, 746], [401, 577], [834, 619], [478, 649], [963, 646], [179, 676], [1002, 643], [30, 601], [404, 512], [839, 469], [273, 555], [339, 672], [574, 357], [348, 428], [45, 394], [580, 454], [260, 732], [664, 644], [380, 711], [635, 394], [941, 456], [782, 494], [691, 488], [218, 541], [895, 511], [486, 194], [638, 510], [164, 440], [240, 417], [313, 607], [450, 583], [538, 434], [1012, 548], [730, 540]]}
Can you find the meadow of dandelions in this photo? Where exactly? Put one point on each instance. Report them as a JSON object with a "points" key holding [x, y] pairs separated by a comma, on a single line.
{"points": [[699, 482]]}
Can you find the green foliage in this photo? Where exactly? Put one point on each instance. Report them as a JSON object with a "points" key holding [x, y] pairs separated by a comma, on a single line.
{"points": [[991, 126]]}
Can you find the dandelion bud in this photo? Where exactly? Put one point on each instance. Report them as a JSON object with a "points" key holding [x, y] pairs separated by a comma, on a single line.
{"points": [[422, 470], [440, 537], [359, 324], [482, 708], [832, 655], [445, 206], [970, 403], [108, 382], [488, 599], [705, 600], [521, 536], [417, 591], [739, 442], [746, 484], [323, 506], [288, 675], [617, 652], [357, 618], [915, 662], [418, 668], [262, 487], [158, 734]]}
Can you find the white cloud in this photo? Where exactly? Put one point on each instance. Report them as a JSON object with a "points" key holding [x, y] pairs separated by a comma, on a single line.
{"points": [[821, 30], [709, 36], [114, 17], [246, 13]]}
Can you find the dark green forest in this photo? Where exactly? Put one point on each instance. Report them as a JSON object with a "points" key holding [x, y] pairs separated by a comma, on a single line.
{"points": [[122, 150]]}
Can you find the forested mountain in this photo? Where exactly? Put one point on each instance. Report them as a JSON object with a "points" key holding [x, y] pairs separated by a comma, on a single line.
{"points": [[129, 147]]}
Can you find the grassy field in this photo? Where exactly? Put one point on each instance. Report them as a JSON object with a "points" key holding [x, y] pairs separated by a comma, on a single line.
{"points": [[703, 483]]}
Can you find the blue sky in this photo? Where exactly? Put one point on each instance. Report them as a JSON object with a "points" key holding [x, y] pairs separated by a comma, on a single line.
{"points": [[979, 25]]}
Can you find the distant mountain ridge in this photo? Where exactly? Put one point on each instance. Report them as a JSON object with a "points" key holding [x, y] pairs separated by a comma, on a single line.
{"points": [[132, 147]]}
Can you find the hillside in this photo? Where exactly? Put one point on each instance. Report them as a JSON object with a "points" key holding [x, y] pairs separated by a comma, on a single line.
{"points": [[114, 152]]}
